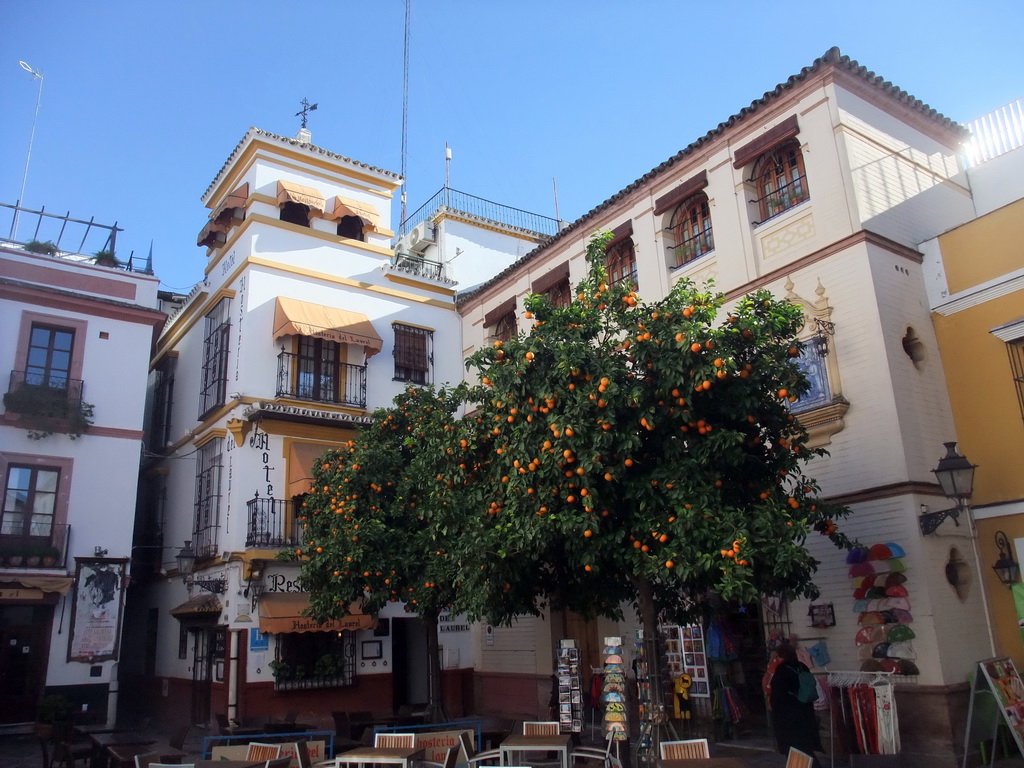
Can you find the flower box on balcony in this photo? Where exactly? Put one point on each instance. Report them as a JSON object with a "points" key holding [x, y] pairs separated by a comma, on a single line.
{"points": [[44, 410]]}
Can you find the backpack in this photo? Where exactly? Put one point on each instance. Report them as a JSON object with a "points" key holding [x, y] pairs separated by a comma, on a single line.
{"points": [[807, 692]]}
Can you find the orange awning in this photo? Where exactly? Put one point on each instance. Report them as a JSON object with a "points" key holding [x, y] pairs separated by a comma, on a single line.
{"points": [[300, 465], [236, 199], [202, 608], [59, 584], [344, 206], [281, 612], [212, 235], [300, 318], [296, 193]]}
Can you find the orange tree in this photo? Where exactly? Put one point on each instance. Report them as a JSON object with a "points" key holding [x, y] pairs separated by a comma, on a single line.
{"points": [[643, 452], [378, 523]]}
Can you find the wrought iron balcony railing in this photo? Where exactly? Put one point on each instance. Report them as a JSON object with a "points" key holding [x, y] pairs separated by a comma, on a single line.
{"points": [[419, 266], [38, 543], [272, 523], [485, 209], [321, 381]]}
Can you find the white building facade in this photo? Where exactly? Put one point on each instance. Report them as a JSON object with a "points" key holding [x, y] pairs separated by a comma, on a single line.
{"points": [[76, 342]]}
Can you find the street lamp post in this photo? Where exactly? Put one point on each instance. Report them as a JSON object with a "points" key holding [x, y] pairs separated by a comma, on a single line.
{"points": [[956, 476], [31, 139]]}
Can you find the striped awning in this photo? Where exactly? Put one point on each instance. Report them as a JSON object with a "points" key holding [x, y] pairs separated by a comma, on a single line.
{"points": [[281, 612], [301, 318], [296, 193]]}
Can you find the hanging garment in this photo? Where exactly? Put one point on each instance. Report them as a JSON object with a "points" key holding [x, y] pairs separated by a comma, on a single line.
{"points": [[887, 727]]}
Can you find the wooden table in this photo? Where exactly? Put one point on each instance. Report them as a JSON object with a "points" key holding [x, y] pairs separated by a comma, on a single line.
{"points": [[710, 762], [403, 757], [102, 742], [123, 755], [519, 742]]}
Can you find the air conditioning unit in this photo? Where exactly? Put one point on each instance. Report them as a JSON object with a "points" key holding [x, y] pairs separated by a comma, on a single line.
{"points": [[420, 237]]}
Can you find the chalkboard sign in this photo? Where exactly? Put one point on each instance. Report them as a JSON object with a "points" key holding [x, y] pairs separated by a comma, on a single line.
{"points": [[999, 677]]}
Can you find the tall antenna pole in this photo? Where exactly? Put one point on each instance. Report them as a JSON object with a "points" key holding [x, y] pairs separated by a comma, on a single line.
{"points": [[447, 165], [554, 188], [31, 139], [405, 105]]}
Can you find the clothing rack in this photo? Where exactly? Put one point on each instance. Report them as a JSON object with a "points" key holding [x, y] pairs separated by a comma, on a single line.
{"points": [[848, 679]]}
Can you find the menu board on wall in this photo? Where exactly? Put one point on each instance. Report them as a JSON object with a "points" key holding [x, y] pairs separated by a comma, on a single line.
{"points": [[685, 654]]}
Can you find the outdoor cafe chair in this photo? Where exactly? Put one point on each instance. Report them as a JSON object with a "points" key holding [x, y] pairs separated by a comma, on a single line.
{"points": [[394, 740], [798, 759], [592, 753], [450, 760], [261, 751], [279, 762], [477, 758], [540, 728], [690, 749]]}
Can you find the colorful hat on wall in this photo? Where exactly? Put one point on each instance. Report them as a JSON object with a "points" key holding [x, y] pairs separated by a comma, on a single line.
{"points": [[861, 569], [859, 606], [856, 555], [900, 651], [907, 667], [896, 549], [869, 634], [900, 633], [890, 665], [879, 552], [895, 579], [871, 665], [897, 590], [871, 617], [898, 602], [880, 651], [903, 616]]}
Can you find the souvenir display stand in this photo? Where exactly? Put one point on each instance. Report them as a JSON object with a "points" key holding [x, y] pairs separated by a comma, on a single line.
{"points": [[613, 691], [882, 601], [999, 678], [570, 689], [651, 688], [864, 709]]}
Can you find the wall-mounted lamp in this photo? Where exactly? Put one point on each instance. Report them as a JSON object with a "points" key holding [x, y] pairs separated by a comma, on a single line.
{"points": [[956, 476], [99, 552], [824, 330], [1006, 567], [186, 558]]}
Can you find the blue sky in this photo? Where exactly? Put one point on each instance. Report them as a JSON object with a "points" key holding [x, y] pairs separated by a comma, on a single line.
{"points": [[142, 102]]}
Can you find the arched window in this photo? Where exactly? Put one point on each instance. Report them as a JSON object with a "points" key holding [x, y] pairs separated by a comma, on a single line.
{"points": [[779, 175], [690, 230], [620, 261], [351, 227], [295, 213]]}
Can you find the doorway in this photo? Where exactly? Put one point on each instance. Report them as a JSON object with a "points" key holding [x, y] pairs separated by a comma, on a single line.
{"points": [[24, 652], [207, 649], [409, 671]]}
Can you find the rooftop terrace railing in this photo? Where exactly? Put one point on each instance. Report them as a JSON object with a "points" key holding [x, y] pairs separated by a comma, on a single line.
{"points": [[486, 209], [995, 134], [60, 233]]}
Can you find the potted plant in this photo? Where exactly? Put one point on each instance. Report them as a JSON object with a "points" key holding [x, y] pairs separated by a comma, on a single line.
{"points": [[32, 557], [52, 710], [106, 259], [45, 410], [280, 669], [48, 247], [49, 556]]}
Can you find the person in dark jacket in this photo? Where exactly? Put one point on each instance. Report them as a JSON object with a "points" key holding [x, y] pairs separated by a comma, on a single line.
{"points": [[793, 720]]}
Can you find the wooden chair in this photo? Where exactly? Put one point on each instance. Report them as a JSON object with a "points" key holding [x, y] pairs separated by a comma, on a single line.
{"points": [[261, 751], [279, 762], [147, 759], [478, 758], [690, 749], [540, 728], [798, 759], [66, 750], [177, 739], [394, 740], [605, 755], [450, 760], [302, 754]]}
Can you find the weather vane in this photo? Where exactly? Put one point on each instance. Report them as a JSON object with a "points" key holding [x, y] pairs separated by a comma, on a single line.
{"points": [[306, 109]]}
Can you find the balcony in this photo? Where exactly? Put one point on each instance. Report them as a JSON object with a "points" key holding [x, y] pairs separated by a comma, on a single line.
{"points": [[455, 200], [272, 523], [35, 544], [319, 381], [45, 403], [420, 267]]}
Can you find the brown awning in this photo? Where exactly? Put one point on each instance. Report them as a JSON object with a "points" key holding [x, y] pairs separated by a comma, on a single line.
{"points": [[281, 612], [680, 193], [300, 318], [552, 278], [205, 608], [492, 317], [300, 465], [235, 201], [344, 206], [621, 232], [770, 139], [59, 584], [211, 235], [296, 193]]}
